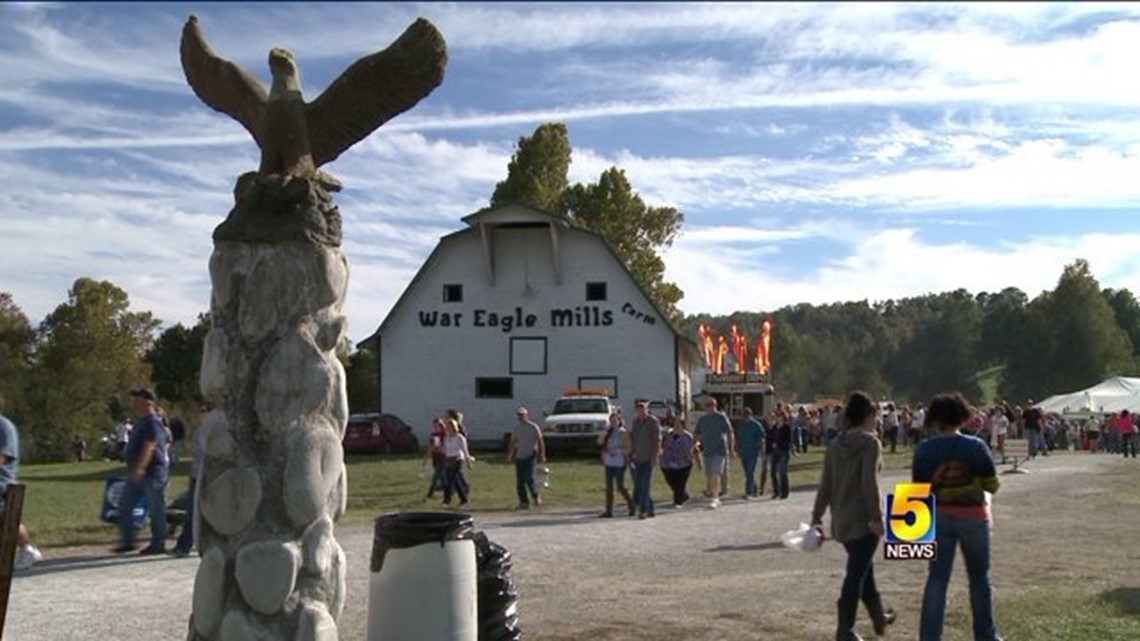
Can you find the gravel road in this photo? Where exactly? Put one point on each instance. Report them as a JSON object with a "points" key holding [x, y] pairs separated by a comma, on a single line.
{"points": [[694, 573]]}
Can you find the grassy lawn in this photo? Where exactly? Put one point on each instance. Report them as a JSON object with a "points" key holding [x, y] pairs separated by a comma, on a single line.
{"points": [[1060, 614], [63, 500]]}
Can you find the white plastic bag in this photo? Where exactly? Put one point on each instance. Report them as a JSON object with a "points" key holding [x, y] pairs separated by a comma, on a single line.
{"points": [[804, 538]]}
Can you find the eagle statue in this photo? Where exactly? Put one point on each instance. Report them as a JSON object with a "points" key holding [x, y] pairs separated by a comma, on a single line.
{"points": [[296, 137]]}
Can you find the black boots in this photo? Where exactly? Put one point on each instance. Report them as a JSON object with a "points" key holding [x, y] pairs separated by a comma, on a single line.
{"points": [[845, 630], [881, 616]]}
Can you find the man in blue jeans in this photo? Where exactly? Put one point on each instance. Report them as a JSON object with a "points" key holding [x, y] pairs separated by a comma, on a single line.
{"points": [[147, 476], [645, 438], [750, 446], [525, 447], [1034, 425]]}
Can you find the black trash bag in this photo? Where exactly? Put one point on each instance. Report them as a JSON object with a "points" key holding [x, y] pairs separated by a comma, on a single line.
{"points": [[498, 596], [409, 529]]}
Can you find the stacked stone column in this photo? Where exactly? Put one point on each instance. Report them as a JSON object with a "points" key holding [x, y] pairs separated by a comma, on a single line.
{"points": [[273, 482]]}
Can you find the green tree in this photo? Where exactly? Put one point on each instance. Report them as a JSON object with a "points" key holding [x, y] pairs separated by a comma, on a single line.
{"points": [[537, 173], [17, 342], [176, 361], [1030, 356], [1127, 312], [90, 352], [362, 379], [1088, 343], [1004, 314], [636, 231], [537, 177]]}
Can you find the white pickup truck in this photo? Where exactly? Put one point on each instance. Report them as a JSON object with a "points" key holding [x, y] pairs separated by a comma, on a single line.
{"points": [[577, 421]]}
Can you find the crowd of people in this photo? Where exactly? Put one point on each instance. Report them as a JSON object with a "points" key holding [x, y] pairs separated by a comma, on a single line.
{"points": [[906, 427]]}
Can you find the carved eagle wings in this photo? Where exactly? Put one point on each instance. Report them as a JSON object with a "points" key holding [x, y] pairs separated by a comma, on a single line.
{"points": [[373, 90]]}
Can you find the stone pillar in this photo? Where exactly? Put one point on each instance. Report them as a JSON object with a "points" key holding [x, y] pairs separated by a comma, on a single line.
{"points": [[273, 482]]}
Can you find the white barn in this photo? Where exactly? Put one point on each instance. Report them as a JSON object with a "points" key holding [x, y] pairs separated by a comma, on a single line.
{"points": [[514, 310]]}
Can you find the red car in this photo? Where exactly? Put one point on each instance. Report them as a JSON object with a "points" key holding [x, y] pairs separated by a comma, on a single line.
{"points": [[368, 433]]}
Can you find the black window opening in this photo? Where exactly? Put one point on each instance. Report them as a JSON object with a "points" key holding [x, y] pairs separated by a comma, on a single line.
{"points": [[610, 383], [595, 291], [453, 293], [494, 388]]}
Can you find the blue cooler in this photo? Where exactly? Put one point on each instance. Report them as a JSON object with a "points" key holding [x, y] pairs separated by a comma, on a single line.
{"points": [[112, 490]]}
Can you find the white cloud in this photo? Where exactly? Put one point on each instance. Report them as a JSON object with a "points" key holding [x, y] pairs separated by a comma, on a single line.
{"points": [[893, 264]]}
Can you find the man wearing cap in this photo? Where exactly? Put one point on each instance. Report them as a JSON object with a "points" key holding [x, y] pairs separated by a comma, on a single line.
{"points": [[525, 447], [147, 475]]}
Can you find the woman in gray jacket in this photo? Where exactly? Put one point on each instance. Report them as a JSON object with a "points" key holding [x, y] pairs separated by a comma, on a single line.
{"points": [[849, 487]]}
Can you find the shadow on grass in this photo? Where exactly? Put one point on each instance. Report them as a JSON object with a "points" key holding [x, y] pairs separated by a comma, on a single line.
{"points": [[1127, 599], [755, 547]]}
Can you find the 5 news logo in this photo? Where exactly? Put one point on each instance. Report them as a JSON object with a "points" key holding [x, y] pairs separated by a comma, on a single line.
{"points": [[910, 523]]}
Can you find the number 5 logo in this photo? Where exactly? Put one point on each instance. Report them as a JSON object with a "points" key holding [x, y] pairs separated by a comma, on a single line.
{"points": [[910, 513]]}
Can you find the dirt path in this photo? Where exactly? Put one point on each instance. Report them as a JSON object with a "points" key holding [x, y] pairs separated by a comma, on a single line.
{"points": [[700, 574], [1069, 526]]}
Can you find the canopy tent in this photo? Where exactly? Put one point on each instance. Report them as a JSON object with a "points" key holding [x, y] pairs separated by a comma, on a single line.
{"points": [[1111, 395]]}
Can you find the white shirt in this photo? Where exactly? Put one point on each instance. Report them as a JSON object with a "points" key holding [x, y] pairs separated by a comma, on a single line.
{"points": [[455, 446]]}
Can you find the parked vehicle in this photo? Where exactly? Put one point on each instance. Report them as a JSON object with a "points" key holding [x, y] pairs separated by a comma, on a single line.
{"points": [[665, 411], [578, 419], [370, 433], [109, 447]]}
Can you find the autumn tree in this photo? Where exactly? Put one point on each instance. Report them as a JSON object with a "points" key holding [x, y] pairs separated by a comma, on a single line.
{"points": [[90, 353]]}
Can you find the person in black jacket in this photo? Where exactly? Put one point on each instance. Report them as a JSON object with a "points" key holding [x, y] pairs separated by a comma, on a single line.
{"points": [[781, 453]]}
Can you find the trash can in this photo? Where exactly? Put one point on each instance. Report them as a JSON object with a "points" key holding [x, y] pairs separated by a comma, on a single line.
{"points": [[423, 582]]}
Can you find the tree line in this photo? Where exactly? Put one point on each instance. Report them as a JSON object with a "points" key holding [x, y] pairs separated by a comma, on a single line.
{"points": [[990, 346], [68, 377]]}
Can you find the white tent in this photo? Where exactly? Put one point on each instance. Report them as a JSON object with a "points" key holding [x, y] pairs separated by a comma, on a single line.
{"points": [[1111, 395]]}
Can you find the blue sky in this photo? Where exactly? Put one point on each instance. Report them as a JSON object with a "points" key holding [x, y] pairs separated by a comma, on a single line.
{"points": [[819, 152]]}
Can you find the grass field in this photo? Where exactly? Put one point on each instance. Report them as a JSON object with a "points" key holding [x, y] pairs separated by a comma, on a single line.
{"points": [[63, 500]]}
